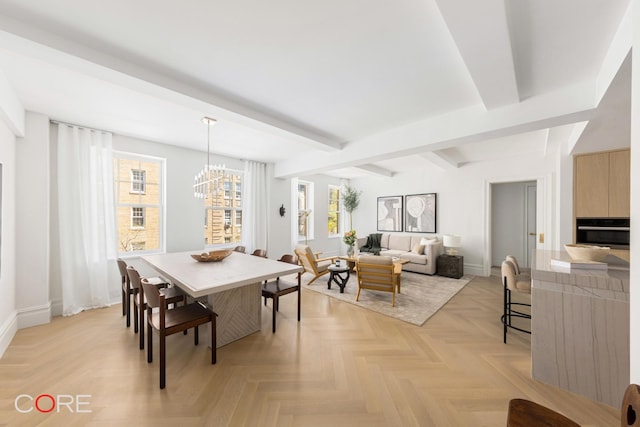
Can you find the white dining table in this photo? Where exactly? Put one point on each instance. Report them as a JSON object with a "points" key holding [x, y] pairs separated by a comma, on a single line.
{"points": [[232, 287]]}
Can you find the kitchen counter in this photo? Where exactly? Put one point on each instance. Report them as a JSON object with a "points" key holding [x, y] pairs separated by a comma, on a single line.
{"points": [[580, 327]]}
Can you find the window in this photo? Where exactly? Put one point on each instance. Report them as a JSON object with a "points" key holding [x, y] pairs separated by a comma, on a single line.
{"points": [[305, 209], [137, 217], [138, 180], [138, 246], [227, 222], [221, 209], [227, 190], [334, 217], [139, 197]]}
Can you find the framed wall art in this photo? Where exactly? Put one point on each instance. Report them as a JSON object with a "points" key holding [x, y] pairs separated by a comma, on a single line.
{"points": [[390, 213], [420, 213]]}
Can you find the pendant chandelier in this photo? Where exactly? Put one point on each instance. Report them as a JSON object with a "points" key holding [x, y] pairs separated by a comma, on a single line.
{"points": [[207, 181]]}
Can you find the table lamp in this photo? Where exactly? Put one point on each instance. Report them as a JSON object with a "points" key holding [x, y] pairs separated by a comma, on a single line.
{"points": [[451, 243]]}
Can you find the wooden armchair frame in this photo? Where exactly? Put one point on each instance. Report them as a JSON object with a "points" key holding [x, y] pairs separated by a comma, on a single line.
{"points": [[313, 265], [377, 273]]}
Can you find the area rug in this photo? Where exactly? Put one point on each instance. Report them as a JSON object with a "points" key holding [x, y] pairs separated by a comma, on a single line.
{"points": [[422, 295]]}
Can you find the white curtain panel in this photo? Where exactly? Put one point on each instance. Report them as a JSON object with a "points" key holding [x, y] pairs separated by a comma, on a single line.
{"points": [[255, 204], [86, 218]]}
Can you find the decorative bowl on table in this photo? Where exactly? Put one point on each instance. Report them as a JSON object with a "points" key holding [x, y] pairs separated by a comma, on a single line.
{"points": [[212, 256], [587, 252]]}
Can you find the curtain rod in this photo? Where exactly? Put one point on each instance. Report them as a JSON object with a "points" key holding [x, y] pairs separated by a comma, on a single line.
{"points": [[58, 122]]}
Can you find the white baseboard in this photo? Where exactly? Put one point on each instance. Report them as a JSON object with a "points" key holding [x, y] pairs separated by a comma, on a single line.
{"points": [[474, 269], [33, 316], [7, 331], [56, 307]]}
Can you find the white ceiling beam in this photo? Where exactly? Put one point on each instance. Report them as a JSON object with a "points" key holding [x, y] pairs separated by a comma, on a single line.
{"points": [[11, 109], [568, 105], [376, 170], [440, 159], [481, 33], [616, 55], [39, 43]]}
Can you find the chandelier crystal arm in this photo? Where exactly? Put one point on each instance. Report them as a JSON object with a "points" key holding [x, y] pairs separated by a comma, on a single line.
{"points": [[206, 181]]}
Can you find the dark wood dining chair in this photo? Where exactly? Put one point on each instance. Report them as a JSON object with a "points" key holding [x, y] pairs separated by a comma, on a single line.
{"points": [[239, 249], [525, 413], [276, 288], [170, 321], [260, 252], [630, 410], [128, 291], [172, 295]]}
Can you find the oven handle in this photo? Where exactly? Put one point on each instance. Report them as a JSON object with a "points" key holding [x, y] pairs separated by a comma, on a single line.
{"points": [[593, 227]]}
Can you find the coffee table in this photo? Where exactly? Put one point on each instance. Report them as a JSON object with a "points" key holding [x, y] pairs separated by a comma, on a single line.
{"points": [[340, 275]]}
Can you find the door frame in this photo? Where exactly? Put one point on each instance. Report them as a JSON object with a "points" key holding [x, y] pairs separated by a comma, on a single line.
{"points": [[544, 224]]}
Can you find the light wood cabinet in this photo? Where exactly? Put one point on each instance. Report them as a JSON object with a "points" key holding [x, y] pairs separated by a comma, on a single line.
{"points": [[619, 183], [602, 185]]}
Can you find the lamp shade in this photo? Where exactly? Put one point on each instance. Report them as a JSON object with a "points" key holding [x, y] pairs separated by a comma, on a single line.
{"points": [[451, 241]]}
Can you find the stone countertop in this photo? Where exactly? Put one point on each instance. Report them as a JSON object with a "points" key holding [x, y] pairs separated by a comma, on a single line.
{"points": [[612, 283]]}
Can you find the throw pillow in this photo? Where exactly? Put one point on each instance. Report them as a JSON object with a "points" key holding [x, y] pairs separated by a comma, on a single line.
{"points": [[418, 249], [428, 241]]}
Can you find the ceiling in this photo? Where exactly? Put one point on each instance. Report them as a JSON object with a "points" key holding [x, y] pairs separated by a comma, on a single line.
{"points": [[425, 82]]}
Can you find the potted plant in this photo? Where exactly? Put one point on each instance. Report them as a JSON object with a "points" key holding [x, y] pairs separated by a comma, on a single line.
{"points": [[350, 201]]}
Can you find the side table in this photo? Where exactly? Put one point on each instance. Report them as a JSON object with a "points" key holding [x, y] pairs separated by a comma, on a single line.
{"points": [[339, 275], [450, 266]]}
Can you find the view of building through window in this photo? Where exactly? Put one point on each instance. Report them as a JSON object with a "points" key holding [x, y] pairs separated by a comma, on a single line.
{"points": [[333, 222], [305, 210], [223, 209], [139, 205]]}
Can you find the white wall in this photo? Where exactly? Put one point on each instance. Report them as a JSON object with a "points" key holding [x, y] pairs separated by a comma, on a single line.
{"points": [[8, 317], [33, 225], [279, 227], [634, 330], [462, 200], [321, 242], [185, 214]]}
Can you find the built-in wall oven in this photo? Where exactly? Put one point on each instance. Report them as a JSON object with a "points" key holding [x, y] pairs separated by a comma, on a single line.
{"points": [[612, 232]]}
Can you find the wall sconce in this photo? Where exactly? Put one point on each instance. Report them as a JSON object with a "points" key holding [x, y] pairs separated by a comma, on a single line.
{"points": [[282, 210]]}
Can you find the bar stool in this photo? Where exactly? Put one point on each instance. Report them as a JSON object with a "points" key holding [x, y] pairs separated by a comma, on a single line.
{"points": [[513, 283]]}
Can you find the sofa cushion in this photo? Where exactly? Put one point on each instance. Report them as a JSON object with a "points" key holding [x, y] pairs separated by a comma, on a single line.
{"points": [[417, 249], [401, 242], [414, 258], [384, 241], [392, 252], [425, 240]]}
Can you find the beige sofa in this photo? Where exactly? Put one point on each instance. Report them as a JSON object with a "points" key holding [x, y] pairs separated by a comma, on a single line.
{"points": [[407, 246]]}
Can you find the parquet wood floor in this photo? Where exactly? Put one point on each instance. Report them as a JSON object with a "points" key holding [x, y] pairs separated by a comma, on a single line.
{"points": [[340, 366]]}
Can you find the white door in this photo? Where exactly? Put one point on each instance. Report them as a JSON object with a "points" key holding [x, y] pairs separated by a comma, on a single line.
{"points": [[530, 222]]}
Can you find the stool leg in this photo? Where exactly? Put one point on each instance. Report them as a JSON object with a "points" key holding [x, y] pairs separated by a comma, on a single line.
{"points": [[504, 315]]}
